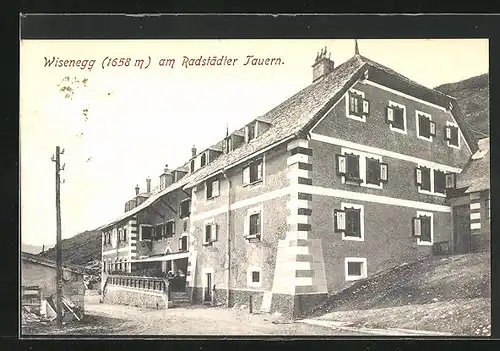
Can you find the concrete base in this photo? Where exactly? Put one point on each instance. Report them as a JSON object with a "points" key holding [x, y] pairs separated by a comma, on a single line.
{"points": [[295, 306], [136, 297]]}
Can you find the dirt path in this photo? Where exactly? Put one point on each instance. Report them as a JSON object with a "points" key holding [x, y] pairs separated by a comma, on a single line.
{"points": [[106, 319]]}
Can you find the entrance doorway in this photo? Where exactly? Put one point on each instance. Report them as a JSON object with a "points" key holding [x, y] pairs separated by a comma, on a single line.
{"points": [[461, 229], [208, 287]]}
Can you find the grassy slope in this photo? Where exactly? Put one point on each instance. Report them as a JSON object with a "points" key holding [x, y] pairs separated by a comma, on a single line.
{"points": [[436, 294], [473, 98], [79, 249]]}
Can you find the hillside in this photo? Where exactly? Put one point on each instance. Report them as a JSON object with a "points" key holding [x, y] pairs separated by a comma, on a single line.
{"points": [[473, 98], [79, 249], [32, 249], [447, 294]]}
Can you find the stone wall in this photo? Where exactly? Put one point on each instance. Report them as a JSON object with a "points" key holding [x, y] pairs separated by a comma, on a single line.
{"points": [[135, 297]]}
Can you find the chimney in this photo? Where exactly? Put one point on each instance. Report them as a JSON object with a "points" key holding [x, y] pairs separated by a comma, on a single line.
{"points": [[193, 151], [148, 184], [137, 190], [166, 178], [322, 65]]}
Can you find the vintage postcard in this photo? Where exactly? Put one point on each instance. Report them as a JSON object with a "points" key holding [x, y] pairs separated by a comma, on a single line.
{"points": [[255, 187]]}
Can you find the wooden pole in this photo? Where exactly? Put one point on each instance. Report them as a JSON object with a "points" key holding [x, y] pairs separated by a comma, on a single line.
{"points": [[59, 273]]}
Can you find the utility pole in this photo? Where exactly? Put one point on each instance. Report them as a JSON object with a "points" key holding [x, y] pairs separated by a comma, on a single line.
{"points": [[59, 284]]}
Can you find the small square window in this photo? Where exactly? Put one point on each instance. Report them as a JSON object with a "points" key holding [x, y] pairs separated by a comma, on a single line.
{"points": [[255, 277], [354, 268]]}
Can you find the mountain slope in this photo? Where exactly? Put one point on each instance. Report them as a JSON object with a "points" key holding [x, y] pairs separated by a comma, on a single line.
{"points": [[473, 98], [32, 249], [79, 249]]}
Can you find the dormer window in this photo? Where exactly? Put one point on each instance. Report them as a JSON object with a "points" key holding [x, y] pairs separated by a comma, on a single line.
{"points": [[203, 160], [250, 132], [227, 145], [192, 166]]}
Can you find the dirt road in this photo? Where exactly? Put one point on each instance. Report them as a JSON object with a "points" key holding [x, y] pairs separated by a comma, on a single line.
{"points": [[105, 319]]}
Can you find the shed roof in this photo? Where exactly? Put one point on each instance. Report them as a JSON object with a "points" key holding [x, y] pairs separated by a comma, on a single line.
{"points": [[476, 174]]}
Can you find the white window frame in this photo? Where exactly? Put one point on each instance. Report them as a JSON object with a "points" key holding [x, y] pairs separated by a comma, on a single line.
{"points": [[140, 230], [343, 206], [187, 242], [364, 268], [417, 112], [211, 222], [448, 123], [362, 167], [431, 192], [405, 131], [246, 230], [250, 270], [347, 109], [427, 243]]}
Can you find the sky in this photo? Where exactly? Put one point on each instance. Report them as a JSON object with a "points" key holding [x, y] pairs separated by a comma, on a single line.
{"points": [[138, 120]]}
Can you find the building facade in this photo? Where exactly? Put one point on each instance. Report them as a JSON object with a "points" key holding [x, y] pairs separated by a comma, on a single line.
{"points": [[346, 178]]}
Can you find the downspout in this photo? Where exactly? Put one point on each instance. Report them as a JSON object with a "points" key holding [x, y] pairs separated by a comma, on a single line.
{"points": [[228, 237]]}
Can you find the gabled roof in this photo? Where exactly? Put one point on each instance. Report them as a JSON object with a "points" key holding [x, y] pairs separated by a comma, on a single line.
{"points": [[476, 174], [46, 262]]}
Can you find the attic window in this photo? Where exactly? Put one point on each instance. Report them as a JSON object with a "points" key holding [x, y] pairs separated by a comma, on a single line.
{"points": [[250, 131], [192, 166], [357, 107], [203, 160], [451, 135]]}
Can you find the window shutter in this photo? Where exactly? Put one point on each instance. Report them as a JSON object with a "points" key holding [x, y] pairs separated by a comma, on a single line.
{"points": [[215, 227], [417, 227], [339, 221], [246, 175], [366, 107], [447, 133], [341, 164], [215, 188], [418, 176], [259, 170], [180, 244], [173, 227], [246, 226], [450, 180], [389, 114], [384, 172], [432, 128]]}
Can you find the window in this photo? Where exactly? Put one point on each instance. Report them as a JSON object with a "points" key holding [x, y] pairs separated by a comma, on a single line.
{"points": [[210, 232], [423, 178], [125, 234], [227, 145], [158, 231], [119, 235], [373, 171], [355, 268], [183, 243], [169, 229], [358, 168], [349, 221], [253, 223], [439, 182], [250, 132], [426, 128], [109, 237], [451, 135], [423, 228], [450, 180], [203, 160], [253, 172], [433, 181], [192, 166], [212, 188], [254, 276], [395, 116], [184, 208], [146, 233], [357, 107]]}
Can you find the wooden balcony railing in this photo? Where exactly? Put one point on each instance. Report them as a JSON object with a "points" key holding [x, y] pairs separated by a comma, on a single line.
{"points": [[143, 283]]}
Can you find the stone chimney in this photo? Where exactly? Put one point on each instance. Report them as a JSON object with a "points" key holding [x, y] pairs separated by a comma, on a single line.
{"points": [[148, 184], [137, 189], [322, 65], [166, 178]]}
